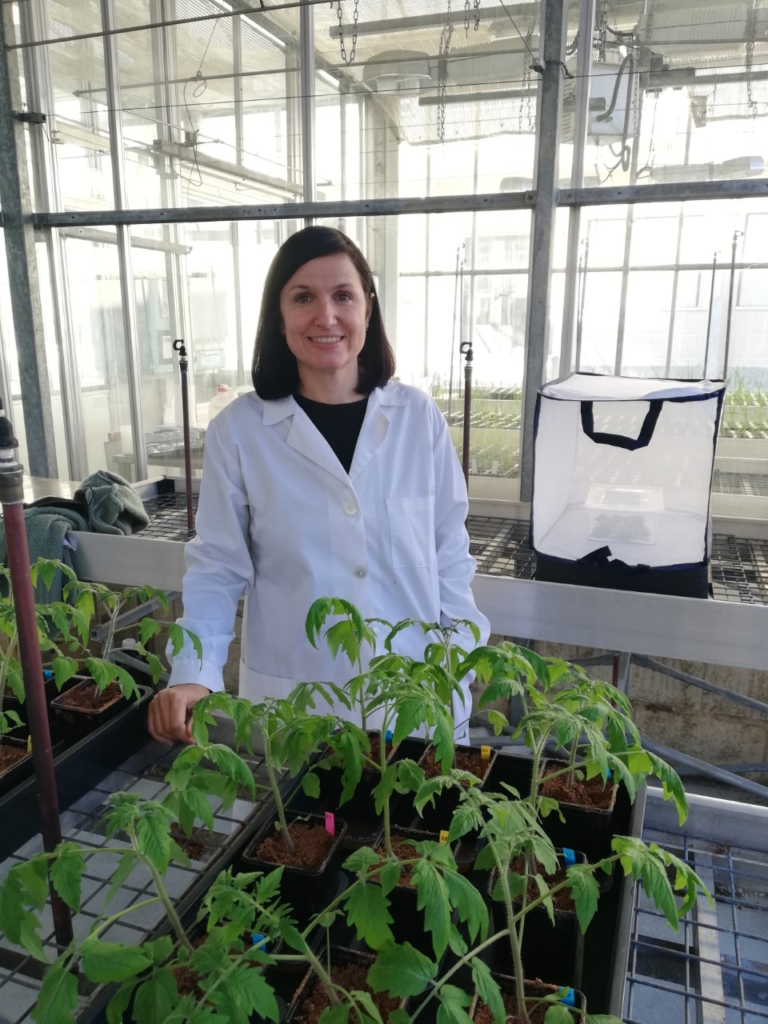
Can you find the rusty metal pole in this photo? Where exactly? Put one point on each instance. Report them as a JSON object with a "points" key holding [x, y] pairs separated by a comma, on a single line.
{"points": [[179, 347], [11, 498]]}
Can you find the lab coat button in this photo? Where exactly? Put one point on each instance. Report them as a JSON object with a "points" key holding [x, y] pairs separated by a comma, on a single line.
{"points": [[361, 573], [350, 508]]}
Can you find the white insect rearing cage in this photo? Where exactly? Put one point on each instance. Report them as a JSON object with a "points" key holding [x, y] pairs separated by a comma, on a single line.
{"points": [[622, 482]]}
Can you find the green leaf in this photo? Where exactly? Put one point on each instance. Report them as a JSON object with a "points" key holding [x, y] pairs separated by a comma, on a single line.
{"points": [[311, 785], [401, 971], [149, 627], [57, 999], [585, 892], [156, 998], [453, 1004], [469, 903], [367, 910], [335, 1014], [433, 899], [558, 1013], [246, 991], [488, 989], [112, 961], [67, 873], [118, 1004], [361, 860]]}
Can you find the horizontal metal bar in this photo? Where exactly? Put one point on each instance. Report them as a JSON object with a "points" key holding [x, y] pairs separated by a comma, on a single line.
{"points": [[710, 819], [681, 628], [703, 768], [292, 4], [292, 211], [427, 21], [664, 192], [703, 684], [106, 237]]}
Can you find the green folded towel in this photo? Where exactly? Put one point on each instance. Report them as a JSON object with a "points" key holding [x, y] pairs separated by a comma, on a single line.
{"points": [[113, 505], [46, 530]]}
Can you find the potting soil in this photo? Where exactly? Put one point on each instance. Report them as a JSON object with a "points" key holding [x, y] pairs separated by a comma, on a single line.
{"points": [[350, 977], [465, 760], [584, 792], [311, 847]]}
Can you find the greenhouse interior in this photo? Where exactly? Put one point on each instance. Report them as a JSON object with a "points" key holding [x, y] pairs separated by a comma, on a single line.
{"points": [[384, 484]]}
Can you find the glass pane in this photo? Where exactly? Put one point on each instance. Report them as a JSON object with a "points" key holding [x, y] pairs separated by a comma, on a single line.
{"points": [[455, 82], [97, 321], [677, 93], [81, 129]]}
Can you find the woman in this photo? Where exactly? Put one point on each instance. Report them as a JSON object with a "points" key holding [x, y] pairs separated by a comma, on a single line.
{"points": [[330, 480]]}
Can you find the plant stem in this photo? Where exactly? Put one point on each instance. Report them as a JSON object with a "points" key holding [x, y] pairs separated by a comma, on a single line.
{"points": [[162, 893], [383, 768], [5, 663], [324, 977], [515, 939], [274, 786]]}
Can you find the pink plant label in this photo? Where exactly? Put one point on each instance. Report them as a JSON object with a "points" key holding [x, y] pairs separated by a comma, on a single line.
{"points": [[330, 823]]}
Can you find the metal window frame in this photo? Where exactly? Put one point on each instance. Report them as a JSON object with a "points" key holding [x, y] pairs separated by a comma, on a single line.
{"points": [[543, 202]]}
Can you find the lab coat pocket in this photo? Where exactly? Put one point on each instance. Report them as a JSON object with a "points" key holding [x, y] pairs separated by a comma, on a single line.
{"points": [[412, 527]]}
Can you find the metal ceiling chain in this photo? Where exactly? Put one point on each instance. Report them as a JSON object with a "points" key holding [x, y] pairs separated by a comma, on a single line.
{"points": [[468, 10], [750, 55], [442, 72], [351, 59]]}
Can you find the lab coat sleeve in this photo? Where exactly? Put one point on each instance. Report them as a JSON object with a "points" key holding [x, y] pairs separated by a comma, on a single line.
{"points": [[219, 564], [455, 566]]}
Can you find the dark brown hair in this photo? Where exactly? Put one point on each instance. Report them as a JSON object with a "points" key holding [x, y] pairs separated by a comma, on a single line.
{"points": [[274, 369]]}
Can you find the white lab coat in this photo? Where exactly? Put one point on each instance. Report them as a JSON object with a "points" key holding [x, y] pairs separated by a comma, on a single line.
{"points": [[280, 521]]}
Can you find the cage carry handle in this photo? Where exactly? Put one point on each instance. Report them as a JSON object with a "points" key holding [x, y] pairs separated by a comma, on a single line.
{"points": [[631, 444]]}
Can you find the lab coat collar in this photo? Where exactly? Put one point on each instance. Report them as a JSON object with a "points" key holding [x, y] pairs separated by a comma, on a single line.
{"points": [[306, 439]]}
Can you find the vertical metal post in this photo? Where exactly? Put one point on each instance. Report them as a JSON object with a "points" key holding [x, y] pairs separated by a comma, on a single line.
{"points": [[127, 296], [15, 200], [307, 103], [12, 498], [678, 250], [167, 92], [39, 89], [343, 145], [628, 238], [552, 35], [237, 68], [428, 222], [731, 281], [580, 126], [709, 314]]}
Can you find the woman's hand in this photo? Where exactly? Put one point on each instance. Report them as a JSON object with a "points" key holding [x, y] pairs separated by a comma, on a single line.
{"points": [[168, 711]]}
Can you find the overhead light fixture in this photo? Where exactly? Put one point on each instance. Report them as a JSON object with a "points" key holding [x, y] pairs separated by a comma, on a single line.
{"points": [[397, 71]]}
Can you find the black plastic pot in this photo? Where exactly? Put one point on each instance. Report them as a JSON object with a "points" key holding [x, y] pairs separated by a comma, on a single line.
{"points": [[307, 890], [553, 953], [587, 829], [363, 823], [20, 769], [78, 768], [533, 989], [85, 717]]}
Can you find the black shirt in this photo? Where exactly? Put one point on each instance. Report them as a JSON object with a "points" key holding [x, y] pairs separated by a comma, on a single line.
{"points": [[339, 424]]}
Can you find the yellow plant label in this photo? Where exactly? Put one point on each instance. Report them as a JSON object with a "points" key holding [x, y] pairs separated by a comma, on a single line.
{"points": [[443, 837], [29, 744], [485, 753]]}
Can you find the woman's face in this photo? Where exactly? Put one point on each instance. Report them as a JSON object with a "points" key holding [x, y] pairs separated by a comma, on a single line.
{"points": [[325, 314]]}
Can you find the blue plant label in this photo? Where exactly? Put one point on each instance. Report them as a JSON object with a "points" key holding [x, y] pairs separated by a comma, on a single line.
{"points": [[388, 736], [569, 855], [259, 940], [47, 674], [608, 774], [569, 999]]}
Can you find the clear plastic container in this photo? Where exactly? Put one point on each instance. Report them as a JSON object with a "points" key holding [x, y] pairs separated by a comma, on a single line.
{"points": [[224, 395]]}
